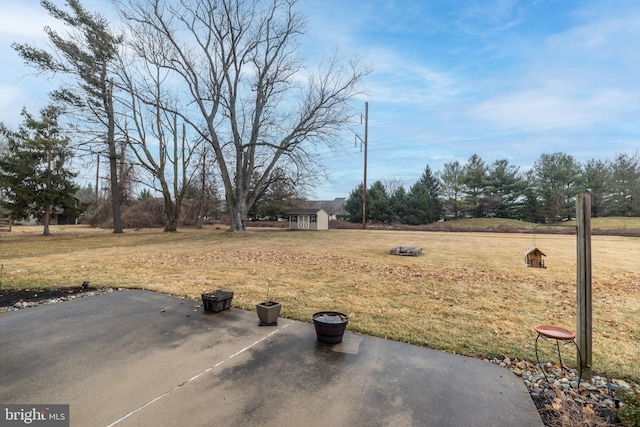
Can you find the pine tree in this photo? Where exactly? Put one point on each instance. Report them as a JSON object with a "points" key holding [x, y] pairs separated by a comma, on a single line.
{"points": [[86, 54], [504, 190], [451, 189], [423, 201], [33, 170], [378, 205], [557, 181], [353, 204], [399, 204], [474, 178]]}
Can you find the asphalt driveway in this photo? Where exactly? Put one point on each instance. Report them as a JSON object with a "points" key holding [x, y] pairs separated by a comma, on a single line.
{"points": [[137, 358]]}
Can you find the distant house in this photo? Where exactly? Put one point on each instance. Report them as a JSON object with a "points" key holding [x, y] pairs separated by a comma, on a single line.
{"points": [[533, 257], [334, 208], [308, 219], [58, 217]]}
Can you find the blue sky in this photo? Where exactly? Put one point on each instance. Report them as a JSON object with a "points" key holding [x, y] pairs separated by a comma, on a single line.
{"points": [[498, 78]]}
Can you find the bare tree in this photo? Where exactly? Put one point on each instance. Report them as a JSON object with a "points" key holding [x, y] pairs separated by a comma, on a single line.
{"points": [[392, 184], [202, 199], [238, 66], [158, 139], [86, 53]]}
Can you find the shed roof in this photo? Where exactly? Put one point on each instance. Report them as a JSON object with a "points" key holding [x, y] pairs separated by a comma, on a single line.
{"points": [[304, 211], [533, 249], [332, 207]]}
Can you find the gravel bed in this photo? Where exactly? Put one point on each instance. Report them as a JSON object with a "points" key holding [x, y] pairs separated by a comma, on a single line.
{"points": [[11, 300], [558, 398]]}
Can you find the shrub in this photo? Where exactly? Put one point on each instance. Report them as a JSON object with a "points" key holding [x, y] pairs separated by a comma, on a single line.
{"points": [[629, 412], [145, 214]]}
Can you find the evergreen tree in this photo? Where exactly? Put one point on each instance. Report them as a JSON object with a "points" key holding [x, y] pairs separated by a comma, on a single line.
{"points": [[596, 179], [33, 170], [558, 182], [504, 188], [451, 189], [625, 186], [278, 199], [353, 204], [474, 178], [399, 204], [531, 208], [378, 204], [86, 197], [423, 201], [86, 54]]}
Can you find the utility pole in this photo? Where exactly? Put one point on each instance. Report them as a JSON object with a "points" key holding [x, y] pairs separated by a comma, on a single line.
{"points": [[365, 142], [364, 185]]}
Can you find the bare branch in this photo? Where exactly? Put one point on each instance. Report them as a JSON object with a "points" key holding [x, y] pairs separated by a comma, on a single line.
{"points": [[237, 63]]}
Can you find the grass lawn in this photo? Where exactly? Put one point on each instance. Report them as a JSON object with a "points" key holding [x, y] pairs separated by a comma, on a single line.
{"points": [[468, 293]]}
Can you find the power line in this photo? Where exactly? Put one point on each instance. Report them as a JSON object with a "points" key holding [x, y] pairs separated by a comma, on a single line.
{"points": [[477, 136]]}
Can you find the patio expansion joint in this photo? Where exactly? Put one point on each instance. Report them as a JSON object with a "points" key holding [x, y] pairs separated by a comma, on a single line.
{"points": [[195, 377]]}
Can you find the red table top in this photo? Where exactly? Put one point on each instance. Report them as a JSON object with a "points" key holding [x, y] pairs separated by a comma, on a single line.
{"points": [[556, 332]]}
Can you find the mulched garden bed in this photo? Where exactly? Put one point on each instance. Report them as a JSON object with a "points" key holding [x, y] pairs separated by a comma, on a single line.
{"points": [[10, 297]]}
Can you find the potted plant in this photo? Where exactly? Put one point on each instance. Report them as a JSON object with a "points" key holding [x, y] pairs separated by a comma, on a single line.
{"points": [[330, 326], [268, 311], [217, 300]]}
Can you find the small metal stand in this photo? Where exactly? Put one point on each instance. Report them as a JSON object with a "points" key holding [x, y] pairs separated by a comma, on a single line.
{"points": [[558, 334]]}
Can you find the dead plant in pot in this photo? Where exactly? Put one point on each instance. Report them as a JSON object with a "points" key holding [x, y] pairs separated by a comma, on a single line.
{"points": [[268, 310]]}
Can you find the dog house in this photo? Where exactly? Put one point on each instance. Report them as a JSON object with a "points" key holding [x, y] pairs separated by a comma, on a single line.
{"points": [[533, 257]]}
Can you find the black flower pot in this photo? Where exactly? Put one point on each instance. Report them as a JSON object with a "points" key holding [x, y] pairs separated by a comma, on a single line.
{"points": [[330, 326], [217, 300]]}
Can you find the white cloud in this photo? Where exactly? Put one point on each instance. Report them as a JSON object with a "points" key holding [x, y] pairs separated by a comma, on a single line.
{"points": [[500, 78], [23, 20], [9, 96], [482, 17], [397, 79], [20, 22], [584, 75]]}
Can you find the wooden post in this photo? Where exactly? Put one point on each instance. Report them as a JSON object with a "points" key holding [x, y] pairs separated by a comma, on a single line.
{"points": [[583, 311]]}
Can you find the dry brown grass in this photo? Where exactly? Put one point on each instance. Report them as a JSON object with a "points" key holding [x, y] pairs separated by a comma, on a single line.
{"points": [[567, 413], [468, 293]]}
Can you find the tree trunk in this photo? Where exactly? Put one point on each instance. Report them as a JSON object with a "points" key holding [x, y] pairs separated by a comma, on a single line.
{"points": [[200, 214], [172, 214], [47, 220], [113, 156], [239, 214], [115, 189], [238, 222], [171, 225], [199, 218]]}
